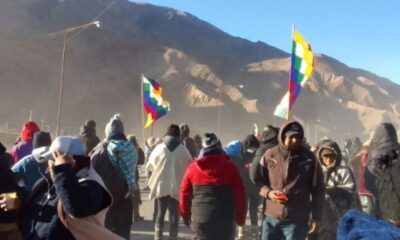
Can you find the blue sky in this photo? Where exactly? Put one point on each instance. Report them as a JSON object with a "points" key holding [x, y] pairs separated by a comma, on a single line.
{"points": [[361, 33]]}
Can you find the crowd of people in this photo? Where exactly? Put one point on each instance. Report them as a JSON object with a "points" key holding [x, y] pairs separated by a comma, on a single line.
{"points": [[81, 187]]}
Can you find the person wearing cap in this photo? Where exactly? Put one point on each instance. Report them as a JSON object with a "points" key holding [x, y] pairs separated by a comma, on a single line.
{"points": [[293, 187], [212, 195], [24, 146], [115, 160], [70, 202], [340, 189], [167, 163], [241, 153], [8, 186], [30, 169], [88, 135]]}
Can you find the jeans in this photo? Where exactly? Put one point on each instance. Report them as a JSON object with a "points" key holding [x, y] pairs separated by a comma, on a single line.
{"points": [[273, 229], [367, 204], [164, 203]]}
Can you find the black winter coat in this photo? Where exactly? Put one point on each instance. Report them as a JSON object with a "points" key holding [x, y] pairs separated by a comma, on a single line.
{"points": [[382, 177]]}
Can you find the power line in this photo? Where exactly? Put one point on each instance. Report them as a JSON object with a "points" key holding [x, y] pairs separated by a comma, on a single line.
{"points": [[94, 20]]}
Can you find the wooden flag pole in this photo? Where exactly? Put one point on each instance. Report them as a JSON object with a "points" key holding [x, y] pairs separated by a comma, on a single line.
{"points": [[142, 102]]}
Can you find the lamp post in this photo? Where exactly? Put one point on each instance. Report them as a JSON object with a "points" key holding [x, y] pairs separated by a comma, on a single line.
{"points": [[66, 39]]}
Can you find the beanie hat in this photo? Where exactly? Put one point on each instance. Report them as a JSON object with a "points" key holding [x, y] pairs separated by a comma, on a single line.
{"points": [[210, 140], [294, 129], [173, 131], [28, 129], [115, 125], [41, 139], [185, 130]]}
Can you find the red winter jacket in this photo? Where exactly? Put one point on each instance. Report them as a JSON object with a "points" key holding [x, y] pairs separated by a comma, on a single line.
{"points": [[214, 186]]}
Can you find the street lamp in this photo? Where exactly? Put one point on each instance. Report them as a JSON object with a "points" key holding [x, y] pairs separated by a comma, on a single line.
{"points": [[66, 32]]}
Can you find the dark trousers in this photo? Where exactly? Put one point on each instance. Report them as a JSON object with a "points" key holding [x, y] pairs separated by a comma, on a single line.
{"points": [[119, 218], [254, 202], [164, 203]]}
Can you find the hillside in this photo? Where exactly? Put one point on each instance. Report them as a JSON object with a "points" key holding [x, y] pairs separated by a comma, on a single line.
{"points": [[192, 59]]}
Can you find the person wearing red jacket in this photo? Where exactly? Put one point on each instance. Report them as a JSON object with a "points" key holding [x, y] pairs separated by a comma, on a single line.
{"points": [[212, 195]]}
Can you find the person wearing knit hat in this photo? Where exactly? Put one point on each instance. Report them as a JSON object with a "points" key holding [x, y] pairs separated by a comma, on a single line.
{"points": [[114, 126], [29, 169], [88, 135], [24, 147], [115, 159], [167, 164], [187, 141], [241, 153], [212, 196], [210, 144]]}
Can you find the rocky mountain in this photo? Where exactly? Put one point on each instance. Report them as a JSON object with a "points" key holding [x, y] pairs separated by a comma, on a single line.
{"points": [[204, 71]]}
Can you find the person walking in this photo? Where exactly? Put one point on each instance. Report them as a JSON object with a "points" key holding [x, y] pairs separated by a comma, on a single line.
{"points": [[115, 160], [187, 141], [167, 164]]}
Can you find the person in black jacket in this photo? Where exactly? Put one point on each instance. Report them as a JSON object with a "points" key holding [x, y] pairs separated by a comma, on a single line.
{"points": [[187, 141], [382, 175], [269, 139], [8, 226], [68, 183], [88, 135]]}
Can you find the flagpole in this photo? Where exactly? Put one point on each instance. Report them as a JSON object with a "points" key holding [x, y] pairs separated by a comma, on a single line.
{"points": [[219, 112], [142, 101], [288, 115]]}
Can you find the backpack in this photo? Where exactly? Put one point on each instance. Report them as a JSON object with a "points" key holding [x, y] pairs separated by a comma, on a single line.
{"points": [[110, 174]]}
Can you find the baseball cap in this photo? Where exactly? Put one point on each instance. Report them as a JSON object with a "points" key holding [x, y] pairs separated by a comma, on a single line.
{"points": [[65, 145]]}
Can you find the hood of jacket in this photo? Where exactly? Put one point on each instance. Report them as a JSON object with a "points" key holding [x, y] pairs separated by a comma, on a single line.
{"points": [[334, 147], [384, 149], [172, 142], [287, 127], [28, 130], [212, 164], [234, 148]]}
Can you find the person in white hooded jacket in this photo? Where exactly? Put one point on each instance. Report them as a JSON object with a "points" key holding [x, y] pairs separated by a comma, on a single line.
{"points": [[167, 162]]}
